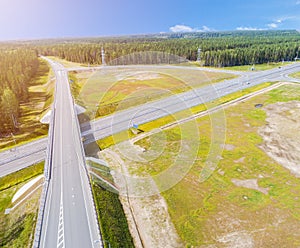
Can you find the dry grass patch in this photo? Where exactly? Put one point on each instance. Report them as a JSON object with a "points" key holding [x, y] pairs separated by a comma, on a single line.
{"points": [[219, 212]]}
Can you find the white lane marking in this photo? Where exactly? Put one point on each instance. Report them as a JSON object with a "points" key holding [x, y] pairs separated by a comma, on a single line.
{"points": [[60, 235], [85, 204], [60, 229], [80, 160], [50, 184], [82, 174]]}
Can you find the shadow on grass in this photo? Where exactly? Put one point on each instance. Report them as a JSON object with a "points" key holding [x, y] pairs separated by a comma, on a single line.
{"points": [[28, 125], [10, 233], [90, 145]]}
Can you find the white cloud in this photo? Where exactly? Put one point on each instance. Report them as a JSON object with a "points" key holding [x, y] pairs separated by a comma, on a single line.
{"points": [[285, 18], [206, 29], [275, 23], [248, 29], [181, 28], [272, 25], [186, 29]]}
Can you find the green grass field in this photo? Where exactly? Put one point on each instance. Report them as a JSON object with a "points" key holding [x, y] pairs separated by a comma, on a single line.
{"points": [[257, 67], [40, 99], [110, 90], [216, 210], [296, 75], [17, 228], [119, 137], [113, 222]]}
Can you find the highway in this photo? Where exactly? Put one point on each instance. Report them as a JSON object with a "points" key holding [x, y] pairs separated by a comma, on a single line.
{"points": [[22, 156], [69, 218], [122, 120], [151, 67], [18, 163]]}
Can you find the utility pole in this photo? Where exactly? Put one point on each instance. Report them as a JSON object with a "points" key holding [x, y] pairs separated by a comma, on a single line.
{"points": [[14, 121], [103, 56], [14, 148], [199, 55], [13, 138]]}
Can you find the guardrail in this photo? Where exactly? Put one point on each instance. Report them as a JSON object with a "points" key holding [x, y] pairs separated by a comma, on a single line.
{"points": [[48, 170], [85, 175], [47, 174]]}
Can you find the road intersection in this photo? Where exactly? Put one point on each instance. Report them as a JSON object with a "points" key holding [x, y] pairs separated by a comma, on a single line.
{"points": [[69, 218], [23, 156]]}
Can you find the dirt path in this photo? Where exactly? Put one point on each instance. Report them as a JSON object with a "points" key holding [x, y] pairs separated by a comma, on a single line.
{"points": [[207, 112], [281, 140], [148, 217]]}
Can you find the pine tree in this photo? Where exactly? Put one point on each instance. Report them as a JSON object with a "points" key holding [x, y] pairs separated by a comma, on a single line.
{"points": [[10, 110]]}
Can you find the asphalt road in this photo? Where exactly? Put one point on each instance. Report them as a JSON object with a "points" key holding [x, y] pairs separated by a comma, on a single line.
{"points": [[149, 67], [19, 163], [22, 156], [69, 219], [123, 120]]}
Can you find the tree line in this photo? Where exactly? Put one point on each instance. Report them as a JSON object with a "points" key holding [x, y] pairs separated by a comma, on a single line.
{"points": [[17, 67], [19, 60], [219, 49]]}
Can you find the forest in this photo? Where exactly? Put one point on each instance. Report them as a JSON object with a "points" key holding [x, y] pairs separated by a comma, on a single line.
{"points": [[218, 49], [17, 67], [19, 60]]}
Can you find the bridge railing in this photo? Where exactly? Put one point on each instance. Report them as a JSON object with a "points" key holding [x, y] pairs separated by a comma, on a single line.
{"points": [[47, 175], [83, 169]]}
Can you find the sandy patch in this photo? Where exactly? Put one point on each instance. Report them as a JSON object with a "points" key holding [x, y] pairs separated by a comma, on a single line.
{"points": [[249, 184], [237, 240], [140, 76], [228, 147], [148, 218], [281, 135], [240, 160], [144, 76]]}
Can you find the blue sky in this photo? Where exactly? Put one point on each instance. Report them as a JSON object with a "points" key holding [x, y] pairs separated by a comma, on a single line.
{"points": [[22, 19]]}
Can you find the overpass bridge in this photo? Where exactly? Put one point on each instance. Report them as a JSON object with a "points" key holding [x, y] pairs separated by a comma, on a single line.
{"points": [[67, 216]]}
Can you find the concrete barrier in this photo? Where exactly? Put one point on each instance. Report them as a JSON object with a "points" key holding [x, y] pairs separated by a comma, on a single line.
{"points": [[47, 174]]}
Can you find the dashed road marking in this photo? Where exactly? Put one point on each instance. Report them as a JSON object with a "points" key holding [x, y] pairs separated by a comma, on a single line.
{"points": [[60, 235]]}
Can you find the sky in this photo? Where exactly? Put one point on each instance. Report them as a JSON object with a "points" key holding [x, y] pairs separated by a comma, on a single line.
{"points": [[35, 19]]}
